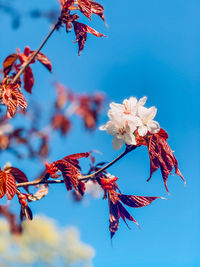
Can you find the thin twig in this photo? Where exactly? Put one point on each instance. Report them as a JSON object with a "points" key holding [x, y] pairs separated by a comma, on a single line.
{"points": [[93, 175], [41, 182], [35, 53], [84, 178]]}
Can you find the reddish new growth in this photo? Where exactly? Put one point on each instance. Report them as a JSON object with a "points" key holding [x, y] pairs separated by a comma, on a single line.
{"points": [[161, 156], [70, 169], [86, 7], [11, 63], [88, 107], [115, 200], [8, 178], [11, 96]]}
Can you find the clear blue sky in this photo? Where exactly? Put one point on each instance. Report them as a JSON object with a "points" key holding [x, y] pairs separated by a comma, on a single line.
{"points": [[152, 49]]}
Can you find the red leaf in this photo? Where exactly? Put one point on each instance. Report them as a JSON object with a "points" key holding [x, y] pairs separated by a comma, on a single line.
{"points": [[44, 147], [10, 186], [44, 60], [114, 218], [28, 79], [19, 176], [70, 174], [61, 122], [124, 214], [81, 187], [11, 107], [27, 51], [12, 98], [108, 183], [26, 213], [97, 9], [73, 158], [8, 63], [89, 109], [136, 201], [161, 155], [85, 8], [163, 134], [116, 208], [21, 101], [81, 31], [69, 167], [65, 4], [63, 96], [2, 183]]}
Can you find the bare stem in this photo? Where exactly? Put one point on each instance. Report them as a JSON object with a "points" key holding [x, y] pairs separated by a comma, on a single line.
{"points": [[40, 182], [35, 53], [93, 175], [84, 178]]}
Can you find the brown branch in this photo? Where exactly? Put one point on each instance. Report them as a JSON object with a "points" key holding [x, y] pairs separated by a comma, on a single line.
{"points": [[93, 175], [35, 53], [40, 182], [84, 178]]}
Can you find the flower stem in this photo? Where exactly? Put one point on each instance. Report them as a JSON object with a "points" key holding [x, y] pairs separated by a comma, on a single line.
{"points": [[35, 53]]}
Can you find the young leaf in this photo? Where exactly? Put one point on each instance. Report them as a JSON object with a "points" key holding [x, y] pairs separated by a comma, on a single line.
{"points": [[97, 9], [10, 186], [81, 31], [19, 176], [44, 60], [73, 158], [161, 155], [28, 79], [136, 201], [114, 218], [70, 174], [2, 183], [8, 63], [85, 8], [26, 213]]}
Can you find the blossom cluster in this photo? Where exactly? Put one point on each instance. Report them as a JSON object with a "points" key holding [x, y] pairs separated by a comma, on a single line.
{"points": [[129, 121]]}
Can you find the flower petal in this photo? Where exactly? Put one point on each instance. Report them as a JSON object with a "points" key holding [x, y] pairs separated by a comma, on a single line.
{"points": [[117, 143], [153, 126], [142, 130], [142, 101], [147, 114], [129, 139]]}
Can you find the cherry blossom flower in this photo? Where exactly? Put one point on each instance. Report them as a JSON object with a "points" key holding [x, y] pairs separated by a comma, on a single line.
{"points": [[148, 124], [128, 120], [129, 106], [121, 129]]}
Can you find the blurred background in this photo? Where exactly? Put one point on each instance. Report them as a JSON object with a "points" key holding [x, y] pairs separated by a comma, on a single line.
{"points": [[152, 49]]}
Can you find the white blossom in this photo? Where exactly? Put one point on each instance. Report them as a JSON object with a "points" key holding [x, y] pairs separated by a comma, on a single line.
{"points": [[148, 124], [128, 117], [121, 129]]}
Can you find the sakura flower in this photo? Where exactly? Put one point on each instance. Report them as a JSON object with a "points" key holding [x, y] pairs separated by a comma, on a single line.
{"points": [[129, 106], [128, 120], [121, 129], [148, 124]]}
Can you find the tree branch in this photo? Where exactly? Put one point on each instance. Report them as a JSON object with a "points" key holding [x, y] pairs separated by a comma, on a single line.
{"points": [[84, 178], [93, 175], [36, 52]]}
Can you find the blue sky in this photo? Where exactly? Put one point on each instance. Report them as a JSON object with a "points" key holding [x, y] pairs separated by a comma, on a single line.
{"points": [[152, 49]]}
